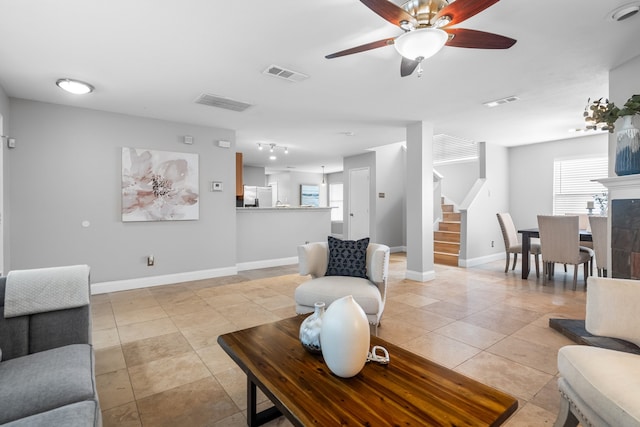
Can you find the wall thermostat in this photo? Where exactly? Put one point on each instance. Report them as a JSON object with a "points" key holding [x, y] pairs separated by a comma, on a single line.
{"points": [[216, 186]]}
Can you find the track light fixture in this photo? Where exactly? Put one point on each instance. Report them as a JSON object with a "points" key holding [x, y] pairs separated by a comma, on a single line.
{"points": [[272, 149]]}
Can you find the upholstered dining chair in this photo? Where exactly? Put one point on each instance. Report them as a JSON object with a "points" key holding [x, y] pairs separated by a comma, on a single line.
{"points": [[599, 233], [511, 243], [560, 243]]}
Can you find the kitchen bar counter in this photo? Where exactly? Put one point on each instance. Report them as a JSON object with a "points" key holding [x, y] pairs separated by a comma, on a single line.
{"points": [[268, 237], [281, 208]]}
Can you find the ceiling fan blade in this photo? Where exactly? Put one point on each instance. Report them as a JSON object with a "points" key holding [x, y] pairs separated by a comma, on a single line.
{"points": [[362, 48], [408, 66], [390, 11], [461, 10], [477, 39]]}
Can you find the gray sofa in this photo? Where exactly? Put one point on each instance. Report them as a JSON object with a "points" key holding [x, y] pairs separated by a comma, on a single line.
{"points": [[47, 375]]}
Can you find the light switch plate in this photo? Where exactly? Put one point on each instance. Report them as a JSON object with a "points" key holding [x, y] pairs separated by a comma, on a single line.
{"points": [[216, 186]]}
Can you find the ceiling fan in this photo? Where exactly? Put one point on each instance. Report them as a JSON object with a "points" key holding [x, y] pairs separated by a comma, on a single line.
{"points": [[426, 25]]}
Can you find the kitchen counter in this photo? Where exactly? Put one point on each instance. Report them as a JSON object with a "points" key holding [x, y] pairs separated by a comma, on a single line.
{"points": [[283, 208], [268, 237]]}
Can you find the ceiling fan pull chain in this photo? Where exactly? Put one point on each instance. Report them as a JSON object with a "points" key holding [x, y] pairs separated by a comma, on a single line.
{"points": [[419, 70]]}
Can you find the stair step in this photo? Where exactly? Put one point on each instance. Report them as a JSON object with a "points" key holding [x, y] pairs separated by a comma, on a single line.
{"points": [[447, 208], [449, 226], [451, 216], [446, 236], [445, 259], [447, 247]]}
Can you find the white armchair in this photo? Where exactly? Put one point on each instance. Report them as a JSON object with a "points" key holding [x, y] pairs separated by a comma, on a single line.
{"points": [[600, 387], [370, 293]]}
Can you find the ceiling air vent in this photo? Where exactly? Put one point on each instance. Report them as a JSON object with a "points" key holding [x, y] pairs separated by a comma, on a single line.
{"points": [[283, 73], [501, 101], [221, 102]]}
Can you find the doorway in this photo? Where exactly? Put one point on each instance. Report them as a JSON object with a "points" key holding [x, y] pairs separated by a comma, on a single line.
{"points": [[358, 203]]}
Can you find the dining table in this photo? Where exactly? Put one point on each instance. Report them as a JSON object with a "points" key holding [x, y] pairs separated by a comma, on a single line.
{"points": [[528, 234]]}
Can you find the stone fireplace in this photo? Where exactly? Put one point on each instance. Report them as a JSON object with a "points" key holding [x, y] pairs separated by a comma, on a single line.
{"points": [[624, 226]]}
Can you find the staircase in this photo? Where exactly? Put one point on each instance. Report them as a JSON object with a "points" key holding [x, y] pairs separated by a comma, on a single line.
{"points": [[446, 241]]}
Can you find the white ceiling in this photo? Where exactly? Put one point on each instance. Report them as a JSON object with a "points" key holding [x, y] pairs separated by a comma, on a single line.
{"points": [[153, 58]]}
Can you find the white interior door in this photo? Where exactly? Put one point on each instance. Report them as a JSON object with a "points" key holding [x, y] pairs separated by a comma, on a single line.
{"points": [[358, 203]]}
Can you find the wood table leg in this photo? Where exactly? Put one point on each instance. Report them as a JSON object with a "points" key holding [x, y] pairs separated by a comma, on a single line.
{"points": [[255, 418], [526, 246]]}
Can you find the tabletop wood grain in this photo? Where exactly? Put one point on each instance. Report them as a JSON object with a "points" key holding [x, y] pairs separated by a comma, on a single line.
{"points": [[409, 391]]}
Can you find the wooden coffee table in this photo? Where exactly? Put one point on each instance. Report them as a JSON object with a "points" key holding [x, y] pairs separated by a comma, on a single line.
{"points": [[409, 391]]}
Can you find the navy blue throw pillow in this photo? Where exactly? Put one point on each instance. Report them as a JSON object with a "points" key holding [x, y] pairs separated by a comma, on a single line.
{"points": [[347, 257]]}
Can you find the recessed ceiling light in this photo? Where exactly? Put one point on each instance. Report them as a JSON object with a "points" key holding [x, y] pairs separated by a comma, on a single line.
{"points": [[74, 86], [623, 12]]}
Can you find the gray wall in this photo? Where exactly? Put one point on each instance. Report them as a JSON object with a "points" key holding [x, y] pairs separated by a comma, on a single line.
{"points": [[67, 169], [457, 179], [491, 197], [390, 180], [254, 175], [289, 186], [531, 174], [623, 82], [4, 187]]}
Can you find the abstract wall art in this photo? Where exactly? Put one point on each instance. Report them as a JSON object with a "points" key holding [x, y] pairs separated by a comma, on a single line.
{"points": [[159, 185]]}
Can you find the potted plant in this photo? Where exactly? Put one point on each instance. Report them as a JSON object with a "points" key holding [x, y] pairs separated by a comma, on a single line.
{"points": [[601, 114]]}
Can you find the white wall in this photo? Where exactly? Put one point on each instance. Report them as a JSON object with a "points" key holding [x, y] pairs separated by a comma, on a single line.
{"points": [[531, 176], [457, 179], [67, 169]]}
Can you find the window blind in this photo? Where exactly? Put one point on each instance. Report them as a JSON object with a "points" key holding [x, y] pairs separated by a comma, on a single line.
{"points": [[573, 186]]}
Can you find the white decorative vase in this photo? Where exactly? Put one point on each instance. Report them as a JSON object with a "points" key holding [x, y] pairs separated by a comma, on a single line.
{"points": [[345, 337], [310, 329]]}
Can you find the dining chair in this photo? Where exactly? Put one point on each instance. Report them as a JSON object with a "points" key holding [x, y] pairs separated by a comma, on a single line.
{"points": [[583, 224], [599, 232], [560, 243], [511, 243]]}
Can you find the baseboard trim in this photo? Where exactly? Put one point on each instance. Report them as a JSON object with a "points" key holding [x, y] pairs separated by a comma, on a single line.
{"points": [[167, 279], [395, 249], [480, 260], [266, 263], [424, 276]]}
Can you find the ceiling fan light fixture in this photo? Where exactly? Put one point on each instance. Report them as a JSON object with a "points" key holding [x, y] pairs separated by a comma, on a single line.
{"points": [[421, 43]]}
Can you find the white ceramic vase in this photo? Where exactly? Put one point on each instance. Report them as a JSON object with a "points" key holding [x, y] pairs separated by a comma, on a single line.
{"points": [[310, 329], [345, 337]]}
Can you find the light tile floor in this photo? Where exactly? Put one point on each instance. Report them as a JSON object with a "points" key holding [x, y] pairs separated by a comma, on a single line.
{"points": [[158, 363]]}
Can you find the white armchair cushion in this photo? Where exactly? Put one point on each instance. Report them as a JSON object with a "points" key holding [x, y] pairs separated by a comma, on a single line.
{"points": [[313, 259], [330, 288], [612, 308], [607, 381]]}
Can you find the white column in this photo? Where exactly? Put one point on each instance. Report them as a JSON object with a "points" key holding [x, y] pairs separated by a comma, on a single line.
{"points": [[420, 202]]}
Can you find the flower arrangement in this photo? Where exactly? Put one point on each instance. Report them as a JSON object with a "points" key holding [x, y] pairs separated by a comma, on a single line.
{"points": [[603, 114], [602, 201]]}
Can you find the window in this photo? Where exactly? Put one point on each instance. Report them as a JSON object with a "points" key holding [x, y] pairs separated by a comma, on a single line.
{"points": [[335, 201], [572, 185]]}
